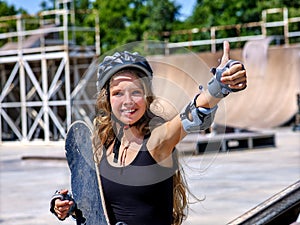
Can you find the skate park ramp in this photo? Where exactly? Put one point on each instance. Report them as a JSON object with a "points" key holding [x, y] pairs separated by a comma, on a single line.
{"points": [[281, 208], [176, 80], [273, 83], [270, 99]]}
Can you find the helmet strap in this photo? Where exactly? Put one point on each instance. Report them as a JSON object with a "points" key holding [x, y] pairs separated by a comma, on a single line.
{"points": [[117, 144]]}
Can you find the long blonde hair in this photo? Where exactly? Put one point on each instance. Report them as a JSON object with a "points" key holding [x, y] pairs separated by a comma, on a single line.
{"points": [[104, 135]]}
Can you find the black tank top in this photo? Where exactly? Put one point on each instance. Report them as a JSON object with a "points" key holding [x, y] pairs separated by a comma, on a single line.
{"points": [[140, 193]]}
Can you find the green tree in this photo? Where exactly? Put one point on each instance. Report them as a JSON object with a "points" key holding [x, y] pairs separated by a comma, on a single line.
{"points": [[45, 5], [163, 15], [208, 13], [127, 20], [8, 10], [8, 25], [113, 22]]}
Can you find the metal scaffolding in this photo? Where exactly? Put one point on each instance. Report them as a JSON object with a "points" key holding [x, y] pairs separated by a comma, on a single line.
{"points": [[47, 80], [40, 70]]}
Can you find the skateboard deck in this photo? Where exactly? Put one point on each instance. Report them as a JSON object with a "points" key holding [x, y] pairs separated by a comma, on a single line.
{"points": [[84, 177]]}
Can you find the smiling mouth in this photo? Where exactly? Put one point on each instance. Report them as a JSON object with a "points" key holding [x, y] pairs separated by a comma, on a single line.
{"points": [[128, 110]]}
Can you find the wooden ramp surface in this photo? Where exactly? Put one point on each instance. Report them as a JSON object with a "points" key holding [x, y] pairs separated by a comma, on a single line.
{"points": [[270, 99]]}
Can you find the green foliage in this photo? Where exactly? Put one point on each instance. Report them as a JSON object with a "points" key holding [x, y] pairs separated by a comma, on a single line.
{"points": [[125, 21], [220, 12], [209, 13], [162, 14], [47, 5], [7, 25], [7, 10]]}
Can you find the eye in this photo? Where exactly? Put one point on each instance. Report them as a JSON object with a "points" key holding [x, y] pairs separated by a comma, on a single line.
{"points": [[117, 93], [137, 92]]}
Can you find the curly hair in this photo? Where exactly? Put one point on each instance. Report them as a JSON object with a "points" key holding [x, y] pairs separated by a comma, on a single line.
{"points": [[104, 136]]}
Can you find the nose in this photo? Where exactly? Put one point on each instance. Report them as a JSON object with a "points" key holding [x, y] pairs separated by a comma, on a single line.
{"points": [[128, 99]]}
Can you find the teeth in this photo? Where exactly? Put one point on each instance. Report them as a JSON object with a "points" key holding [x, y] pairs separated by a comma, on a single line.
{"points": [[128, 111]]}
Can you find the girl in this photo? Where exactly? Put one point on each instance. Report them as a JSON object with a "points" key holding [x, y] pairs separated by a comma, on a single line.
{"points": [[140, 176]]}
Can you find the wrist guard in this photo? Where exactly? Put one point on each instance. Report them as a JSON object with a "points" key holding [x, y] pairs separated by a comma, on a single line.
{"points": [[215, 87], [196, 119], [62, 197]]}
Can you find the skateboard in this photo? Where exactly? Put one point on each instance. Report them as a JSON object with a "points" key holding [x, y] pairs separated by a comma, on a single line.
{"points": [[84, 175]]}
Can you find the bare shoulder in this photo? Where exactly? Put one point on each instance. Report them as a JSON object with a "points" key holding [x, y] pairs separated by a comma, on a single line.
{"points": [[164, 138]]}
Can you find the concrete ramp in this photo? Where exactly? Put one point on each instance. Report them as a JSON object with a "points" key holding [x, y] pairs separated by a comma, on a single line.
{"points": [[273, 83], [176, 80], [282, 208], [270, 99]]}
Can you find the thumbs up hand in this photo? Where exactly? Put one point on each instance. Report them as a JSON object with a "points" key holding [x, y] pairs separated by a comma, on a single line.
{"points": [[229, 76], [226, 54]]}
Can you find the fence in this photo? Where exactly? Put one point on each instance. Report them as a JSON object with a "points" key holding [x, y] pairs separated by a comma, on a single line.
{"points": [[213, 41]]}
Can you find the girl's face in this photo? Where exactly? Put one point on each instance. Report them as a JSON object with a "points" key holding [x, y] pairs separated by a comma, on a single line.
{"points": [[127, 98]]}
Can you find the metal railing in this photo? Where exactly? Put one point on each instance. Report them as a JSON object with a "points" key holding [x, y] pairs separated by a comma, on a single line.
{"points": [[16, 30], [213, 40]]}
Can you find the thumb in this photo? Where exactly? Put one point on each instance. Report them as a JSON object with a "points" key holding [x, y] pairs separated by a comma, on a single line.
{"points": [[225, 56], [64, 191]]}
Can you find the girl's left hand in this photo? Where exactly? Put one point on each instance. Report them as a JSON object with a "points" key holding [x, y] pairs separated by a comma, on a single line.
{"points": [[235, 77]]}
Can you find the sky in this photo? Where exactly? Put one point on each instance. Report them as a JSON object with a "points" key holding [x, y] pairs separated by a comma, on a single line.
{"points": [[32, 6]]}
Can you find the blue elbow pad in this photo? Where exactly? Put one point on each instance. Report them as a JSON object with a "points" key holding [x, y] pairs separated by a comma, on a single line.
{"points": [[196, 119]]}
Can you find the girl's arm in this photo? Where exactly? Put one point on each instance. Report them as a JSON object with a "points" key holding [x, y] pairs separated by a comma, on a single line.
{"points": [[163, 139]]}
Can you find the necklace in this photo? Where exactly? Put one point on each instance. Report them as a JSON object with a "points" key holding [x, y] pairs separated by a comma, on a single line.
{"points": [[124, 152]]}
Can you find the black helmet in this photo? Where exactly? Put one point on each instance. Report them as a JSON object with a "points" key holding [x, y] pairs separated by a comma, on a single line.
{"points": [[120, 60]]}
